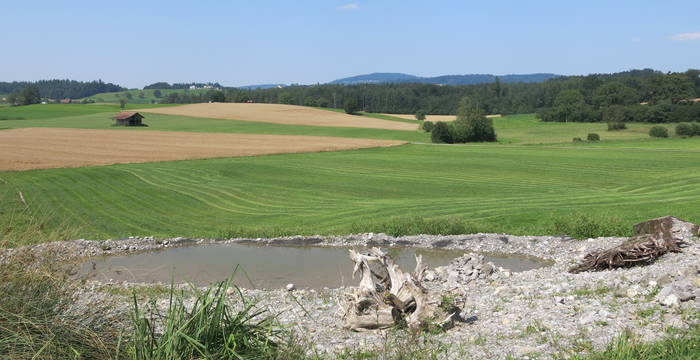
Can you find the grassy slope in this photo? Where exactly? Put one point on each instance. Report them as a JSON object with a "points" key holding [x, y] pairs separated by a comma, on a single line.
{"points": [[514, 189], [58, 111]]}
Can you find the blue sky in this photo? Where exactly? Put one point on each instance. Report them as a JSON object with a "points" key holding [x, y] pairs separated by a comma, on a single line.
{"points": [[134, 43]]}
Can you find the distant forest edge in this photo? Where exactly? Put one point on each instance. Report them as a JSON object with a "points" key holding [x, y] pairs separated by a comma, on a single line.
{"points": [[636, 95], [470, 79], [61, 89]]}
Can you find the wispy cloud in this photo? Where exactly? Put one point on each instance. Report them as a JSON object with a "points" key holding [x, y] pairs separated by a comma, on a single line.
{"points": [[686, 36], [348, 7]]}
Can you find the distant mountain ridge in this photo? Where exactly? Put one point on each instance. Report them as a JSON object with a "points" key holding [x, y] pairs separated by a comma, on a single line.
{"points": [[469, 79]]}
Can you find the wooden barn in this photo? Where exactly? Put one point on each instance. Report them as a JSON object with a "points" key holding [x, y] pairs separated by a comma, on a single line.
{"points": [[128, 119]]}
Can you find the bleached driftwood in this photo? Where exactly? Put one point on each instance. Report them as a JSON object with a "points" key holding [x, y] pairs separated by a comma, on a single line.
{"points": [[388, 296]]}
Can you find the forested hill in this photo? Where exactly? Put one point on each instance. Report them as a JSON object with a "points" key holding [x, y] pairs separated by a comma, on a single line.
{"points": [[585, 95], [470, 79], [61, 89]]}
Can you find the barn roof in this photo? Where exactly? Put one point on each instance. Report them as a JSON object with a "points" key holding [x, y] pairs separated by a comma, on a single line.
{"points": [[125, 115]]}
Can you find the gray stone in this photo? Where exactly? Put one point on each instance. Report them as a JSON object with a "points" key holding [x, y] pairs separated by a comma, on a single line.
{"points": [[664, 279]]}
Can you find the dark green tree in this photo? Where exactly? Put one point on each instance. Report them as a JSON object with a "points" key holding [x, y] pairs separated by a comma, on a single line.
{"points": [[13, 99], [351, 106], [122, 103], [128, 95], [471, 124], [157, 93], [420, 115], [217, 96], [29, 95], [441, 133], [615, 93]]}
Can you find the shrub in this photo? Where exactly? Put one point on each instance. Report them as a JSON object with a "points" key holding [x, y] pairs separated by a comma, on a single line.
{"points": [[593, 137], [684, 129], [696, 129], [427, 126], [617, 125], [578, 139], [658, 132], [420, 115], [441, 133]]}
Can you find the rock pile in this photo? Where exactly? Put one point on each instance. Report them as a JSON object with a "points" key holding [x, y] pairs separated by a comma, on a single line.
{"points": [[465, 270], [681, 288]]}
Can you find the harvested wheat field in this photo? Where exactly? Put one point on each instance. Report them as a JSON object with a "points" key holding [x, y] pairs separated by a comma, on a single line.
{"points": [[435, 118], [280, 114], [43, 148]]}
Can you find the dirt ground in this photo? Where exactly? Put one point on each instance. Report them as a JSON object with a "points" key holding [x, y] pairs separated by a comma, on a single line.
{"points": [[43, 148], [435, 117], [280, 114]]}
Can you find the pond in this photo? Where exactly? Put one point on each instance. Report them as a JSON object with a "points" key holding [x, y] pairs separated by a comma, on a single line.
{"points": [[263, 267]]}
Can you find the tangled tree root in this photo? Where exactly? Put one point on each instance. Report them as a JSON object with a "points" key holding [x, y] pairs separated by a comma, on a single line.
{"points": [[653, 239], [387, 297]]}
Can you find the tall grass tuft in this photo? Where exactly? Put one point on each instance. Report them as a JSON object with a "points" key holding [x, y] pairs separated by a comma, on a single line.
{"points": [[208, 329], [35, 317]]}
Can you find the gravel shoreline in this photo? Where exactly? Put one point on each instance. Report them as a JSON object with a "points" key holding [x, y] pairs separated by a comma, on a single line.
{"points": [[533, 314]]}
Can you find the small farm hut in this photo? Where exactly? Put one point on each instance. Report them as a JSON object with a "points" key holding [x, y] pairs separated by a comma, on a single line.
{"points": [[128, 119]]}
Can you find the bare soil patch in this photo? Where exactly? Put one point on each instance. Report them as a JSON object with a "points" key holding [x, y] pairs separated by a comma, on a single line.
{"points": [[280, 114], [43, 148]]}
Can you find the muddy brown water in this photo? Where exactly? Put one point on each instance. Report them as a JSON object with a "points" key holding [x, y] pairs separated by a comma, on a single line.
{"points": [[263, 267]]}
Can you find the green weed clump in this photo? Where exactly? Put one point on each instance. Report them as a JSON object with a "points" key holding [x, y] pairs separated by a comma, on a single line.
{"points": [[628, 347], [583, 226], [401, 226]]}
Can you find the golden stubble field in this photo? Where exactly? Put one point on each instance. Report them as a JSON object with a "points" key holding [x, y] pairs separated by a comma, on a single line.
{"points": [[43, 148], [280, 114]]}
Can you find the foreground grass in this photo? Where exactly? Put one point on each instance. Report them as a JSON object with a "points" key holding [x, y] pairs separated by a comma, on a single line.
{"points": [[512, 189]]}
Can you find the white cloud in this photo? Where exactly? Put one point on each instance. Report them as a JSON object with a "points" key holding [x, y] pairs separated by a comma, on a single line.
{"points": [[347, 7], [686, 36]]}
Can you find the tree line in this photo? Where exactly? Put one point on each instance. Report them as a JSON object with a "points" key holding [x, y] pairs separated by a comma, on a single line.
{"points": [[60, 89], [637, 95]]}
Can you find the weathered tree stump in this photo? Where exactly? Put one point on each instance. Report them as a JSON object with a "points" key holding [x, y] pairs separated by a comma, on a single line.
{"points": [[387, 296], [653, 238]]}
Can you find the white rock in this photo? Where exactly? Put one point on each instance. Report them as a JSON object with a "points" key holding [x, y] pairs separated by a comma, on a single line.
{"points": [[671, 300], [290, 287]]}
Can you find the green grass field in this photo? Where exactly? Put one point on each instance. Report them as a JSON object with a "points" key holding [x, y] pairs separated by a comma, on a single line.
{"points": [[513, 189], [516, 186]]}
